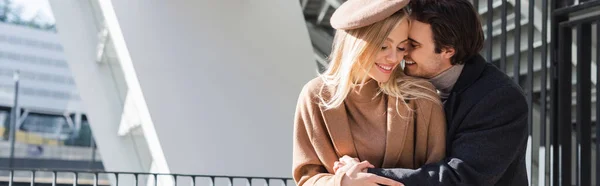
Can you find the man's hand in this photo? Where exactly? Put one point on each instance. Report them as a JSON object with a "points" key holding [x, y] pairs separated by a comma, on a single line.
{"points": [[356, 175]]}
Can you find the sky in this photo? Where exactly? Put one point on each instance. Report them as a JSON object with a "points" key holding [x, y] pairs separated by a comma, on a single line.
{"points": [[31, 7]]}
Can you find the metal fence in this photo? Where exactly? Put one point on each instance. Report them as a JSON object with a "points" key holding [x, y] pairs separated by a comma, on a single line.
{"points": [[30, 177], [560, 82], [572, 25]]}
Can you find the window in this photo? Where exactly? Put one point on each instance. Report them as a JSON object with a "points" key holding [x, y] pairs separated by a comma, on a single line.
{"points": [[51, 126], [84, 137], [5, 123]]}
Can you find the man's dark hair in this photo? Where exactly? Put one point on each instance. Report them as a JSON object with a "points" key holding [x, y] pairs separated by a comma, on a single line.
{"points": [[454, 23]]}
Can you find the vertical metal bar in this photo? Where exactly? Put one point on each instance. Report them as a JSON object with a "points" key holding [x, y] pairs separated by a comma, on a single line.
{"points": [[75, 178], [584, 54], [554, 152], [517, 54], [530, 86], [54, 177], [96, 179], [116, 179], [193, 181], [93, 159], [554, 46], [175, 179], [11, 177], [135, 180], [32, 178], [490, 18], [542, 151], [14, 120], [155, 179], [503, 36], [597, 103], [230, 181], [584, 148], [564, 105]]}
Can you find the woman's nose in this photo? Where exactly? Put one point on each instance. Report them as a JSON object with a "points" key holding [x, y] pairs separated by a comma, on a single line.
{"points": [[393, 56]]}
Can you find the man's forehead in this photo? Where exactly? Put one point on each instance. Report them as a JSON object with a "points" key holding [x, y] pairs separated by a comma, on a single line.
{"points": [[420, 26], [419, 31]]}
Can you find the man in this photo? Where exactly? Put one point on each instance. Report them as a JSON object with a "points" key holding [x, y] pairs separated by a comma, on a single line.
{"points": [[486, 112]]}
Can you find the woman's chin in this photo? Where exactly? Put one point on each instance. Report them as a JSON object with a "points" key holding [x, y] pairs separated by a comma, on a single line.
{"points": [[382, 80]]}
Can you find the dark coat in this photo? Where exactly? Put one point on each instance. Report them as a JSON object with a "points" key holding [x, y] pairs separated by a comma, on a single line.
{"points": [[486, 116]]}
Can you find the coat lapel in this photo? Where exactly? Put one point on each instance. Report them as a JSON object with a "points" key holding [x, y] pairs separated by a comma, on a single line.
{"points": [[449, 107], [337, 124], [473, 69], [397, 128]]}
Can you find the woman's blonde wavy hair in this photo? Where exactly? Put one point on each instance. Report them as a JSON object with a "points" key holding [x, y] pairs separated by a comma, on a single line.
{"points": [[353, 56]]}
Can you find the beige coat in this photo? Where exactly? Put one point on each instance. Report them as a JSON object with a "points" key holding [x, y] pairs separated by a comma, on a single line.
{"points": [[321, 137]]}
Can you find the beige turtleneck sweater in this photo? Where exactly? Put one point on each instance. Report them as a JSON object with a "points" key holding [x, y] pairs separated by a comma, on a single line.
{"points": [[367, 116], [445, 81]]}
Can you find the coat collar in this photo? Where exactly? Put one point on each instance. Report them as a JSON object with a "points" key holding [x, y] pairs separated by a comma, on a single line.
{"points": [[338, 126], [474, 67]]}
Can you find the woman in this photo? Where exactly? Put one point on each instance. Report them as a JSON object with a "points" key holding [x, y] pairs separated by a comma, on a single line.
{"points": [[363, 106]]}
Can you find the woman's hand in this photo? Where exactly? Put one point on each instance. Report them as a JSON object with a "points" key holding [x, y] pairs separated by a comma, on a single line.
{"points": [[355, 173], [345, 163]]}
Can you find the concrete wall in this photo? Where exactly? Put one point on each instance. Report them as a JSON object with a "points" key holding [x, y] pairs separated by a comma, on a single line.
{"points": [[215, 82], [101, 87], [220, 79]]}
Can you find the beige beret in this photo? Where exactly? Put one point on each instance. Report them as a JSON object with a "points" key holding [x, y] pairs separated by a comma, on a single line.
{"points": [[354, 14]]}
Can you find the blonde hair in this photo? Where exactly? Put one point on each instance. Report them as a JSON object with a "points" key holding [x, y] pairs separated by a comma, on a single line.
{"points": [[353, 55]]}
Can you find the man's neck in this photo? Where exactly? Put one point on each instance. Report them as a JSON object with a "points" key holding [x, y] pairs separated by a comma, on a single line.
{"points": [[444, 82]]}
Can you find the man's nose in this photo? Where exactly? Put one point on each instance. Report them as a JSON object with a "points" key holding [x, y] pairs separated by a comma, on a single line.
{"points": [[407, 55]]}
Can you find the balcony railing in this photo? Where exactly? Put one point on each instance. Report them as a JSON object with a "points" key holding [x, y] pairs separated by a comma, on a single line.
{"points": [[31, 177]]}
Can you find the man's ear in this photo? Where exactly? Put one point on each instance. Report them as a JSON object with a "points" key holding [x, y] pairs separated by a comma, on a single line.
{"points": [[448, 52]]}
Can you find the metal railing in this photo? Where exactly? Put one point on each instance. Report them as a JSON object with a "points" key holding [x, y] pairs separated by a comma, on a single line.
{"points": [[558, 60], [17, 177], [574, 20]]}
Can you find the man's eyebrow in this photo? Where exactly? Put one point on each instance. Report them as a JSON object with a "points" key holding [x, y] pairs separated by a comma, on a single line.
{"points": [[389, 39], [412, 40]]}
